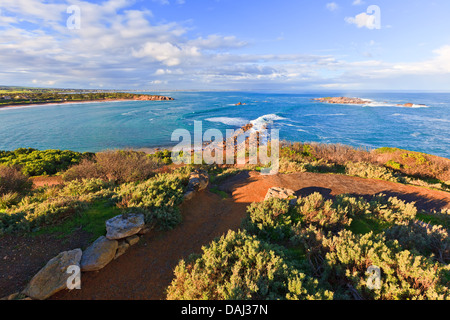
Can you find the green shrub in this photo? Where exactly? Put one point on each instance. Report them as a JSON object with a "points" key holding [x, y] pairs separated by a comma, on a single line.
{"points": [[36, 163], [370, 171], [9, 199], [404, 275], [84, 187], [162, 156], [424, 239], [270, 220], [30, 217], [392, 209], [314, 209], [158, 198], [239, 266], [49, 206]]}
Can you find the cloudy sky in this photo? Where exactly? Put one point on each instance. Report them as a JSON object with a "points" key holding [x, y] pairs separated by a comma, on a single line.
{"points": [[287, 45]]}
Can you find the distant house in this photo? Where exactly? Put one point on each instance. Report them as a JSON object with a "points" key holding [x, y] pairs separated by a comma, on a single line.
{"points": [[7, 97]]}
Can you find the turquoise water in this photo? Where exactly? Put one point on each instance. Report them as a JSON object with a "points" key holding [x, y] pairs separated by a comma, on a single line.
{"points": [[145, 124]]}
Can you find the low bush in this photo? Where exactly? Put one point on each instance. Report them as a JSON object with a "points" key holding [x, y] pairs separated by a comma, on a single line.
{"points": [[36, 163], [404, 275], [12, 181], [315, 210], [239, 266], [116, 166], [291, 252], [158, 198], [270, 220], [425, 239], [370, 171], [51, 205]]}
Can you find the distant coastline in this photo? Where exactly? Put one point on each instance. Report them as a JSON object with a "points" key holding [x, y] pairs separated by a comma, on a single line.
{"points": [[137, 97]]}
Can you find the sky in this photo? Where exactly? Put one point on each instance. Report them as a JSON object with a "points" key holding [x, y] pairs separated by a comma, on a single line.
{"points": [[282, 45]]}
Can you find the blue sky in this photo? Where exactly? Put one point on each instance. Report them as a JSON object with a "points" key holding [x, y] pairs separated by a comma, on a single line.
{"points": [[283, 45]]}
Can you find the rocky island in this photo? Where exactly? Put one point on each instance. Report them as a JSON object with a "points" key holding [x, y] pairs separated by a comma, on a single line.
{"points": [[342, 100], [346, 100]]}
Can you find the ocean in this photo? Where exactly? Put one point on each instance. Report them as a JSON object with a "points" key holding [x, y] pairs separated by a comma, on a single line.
{"points": [[148, 124]]}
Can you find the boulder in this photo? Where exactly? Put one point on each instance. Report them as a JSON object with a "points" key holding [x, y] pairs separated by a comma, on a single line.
{"points": [[132, 240], [99, 254], [281, 193], [198, 180], [121, 248], [53, 277], [124, 226]]}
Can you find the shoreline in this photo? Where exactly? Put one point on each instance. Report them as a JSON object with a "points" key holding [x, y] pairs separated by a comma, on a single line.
{"points": [[40, 104]]}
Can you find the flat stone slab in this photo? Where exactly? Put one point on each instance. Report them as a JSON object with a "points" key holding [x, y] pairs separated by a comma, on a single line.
{"points": [[281, 193], [123, 226], [99, 254], [132, 240], [53, 277]]}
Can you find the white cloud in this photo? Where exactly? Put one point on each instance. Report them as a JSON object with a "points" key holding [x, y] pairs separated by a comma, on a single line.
{"points": [[332, 6], [357, 2], [362, 20], [122, 47]]}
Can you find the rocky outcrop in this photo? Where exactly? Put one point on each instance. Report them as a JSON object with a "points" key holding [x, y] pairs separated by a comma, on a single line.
{"points": [[99, 254], [124, 226], [281, 193], [53, 277], [342, 100]]}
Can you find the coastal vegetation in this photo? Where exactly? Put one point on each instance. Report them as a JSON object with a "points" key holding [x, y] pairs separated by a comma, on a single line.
{"points": [[33, 162], [388, 164], [125, 180], [314, 248]]}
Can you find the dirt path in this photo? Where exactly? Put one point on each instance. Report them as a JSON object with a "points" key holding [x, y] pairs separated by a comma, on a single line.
{"points": [[146, 270]]}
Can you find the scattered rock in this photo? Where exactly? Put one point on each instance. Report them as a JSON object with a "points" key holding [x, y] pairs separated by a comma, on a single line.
{"points": [[121, 248], [99, 254], [123, 226], [281, 193], [53, 277], [132, 240], [16, 296], [198, 181], [189, 195]]}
